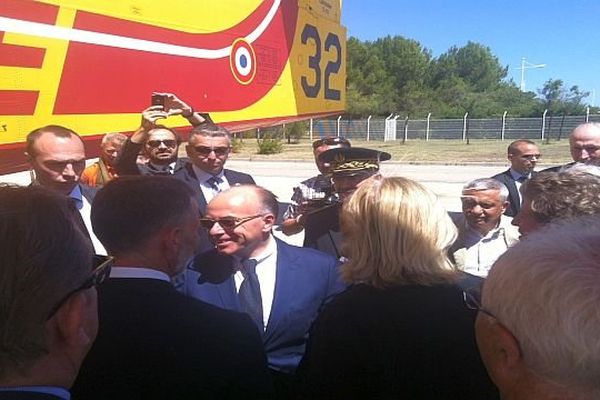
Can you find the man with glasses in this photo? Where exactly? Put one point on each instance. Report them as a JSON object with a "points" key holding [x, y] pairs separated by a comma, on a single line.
{"points": [[159, 144], [523, 156], [153, 341], [57, 158], [48, 307], [537, 331], [315, 192], [281, 287]]}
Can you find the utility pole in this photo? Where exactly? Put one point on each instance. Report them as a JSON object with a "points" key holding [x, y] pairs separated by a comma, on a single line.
{"points": [[527, 65]]}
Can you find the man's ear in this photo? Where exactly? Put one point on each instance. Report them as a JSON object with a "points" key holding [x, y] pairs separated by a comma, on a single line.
{"points": [[508, 364], [269, 220], [510, 156], [505, 205], [76, 321]]}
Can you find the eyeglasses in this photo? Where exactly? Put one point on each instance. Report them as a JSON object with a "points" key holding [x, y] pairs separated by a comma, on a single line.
{"points": [[227, 222], [205, 151], [157, 142], [530, 157], [472, 299], [330, 141], [101, 271]]}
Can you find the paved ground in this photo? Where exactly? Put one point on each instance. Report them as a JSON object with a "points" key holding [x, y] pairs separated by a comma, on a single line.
{"points": [[281, 176]]}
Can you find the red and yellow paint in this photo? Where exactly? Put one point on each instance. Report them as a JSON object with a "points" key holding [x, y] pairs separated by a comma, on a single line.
{"points": [[91, 65]]}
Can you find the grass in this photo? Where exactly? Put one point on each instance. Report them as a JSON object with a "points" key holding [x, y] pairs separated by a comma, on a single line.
{"points": [[419, 151]]}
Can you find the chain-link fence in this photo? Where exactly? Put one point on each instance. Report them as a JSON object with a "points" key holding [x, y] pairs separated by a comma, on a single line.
{"points": [[503, 128]]}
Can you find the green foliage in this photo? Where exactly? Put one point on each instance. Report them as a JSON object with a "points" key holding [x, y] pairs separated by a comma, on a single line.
{"points": [[398, 75], [269, 146], [295, 131], [237, 145], [558, 100]]}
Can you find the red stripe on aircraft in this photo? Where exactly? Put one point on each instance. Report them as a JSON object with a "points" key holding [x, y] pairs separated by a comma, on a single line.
{"points": [[20, 56], [29, 11], [106, 80], [18, 102], [137, 30]]}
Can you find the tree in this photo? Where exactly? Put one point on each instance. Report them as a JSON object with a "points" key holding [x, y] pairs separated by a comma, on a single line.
{"points": [[558, 100]]}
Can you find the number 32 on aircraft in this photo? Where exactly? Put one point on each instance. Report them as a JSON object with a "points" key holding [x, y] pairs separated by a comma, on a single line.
{"points": [[332, 43]]}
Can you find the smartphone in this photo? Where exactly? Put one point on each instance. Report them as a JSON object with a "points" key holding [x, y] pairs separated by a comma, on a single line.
{"points": [[158, 100]]}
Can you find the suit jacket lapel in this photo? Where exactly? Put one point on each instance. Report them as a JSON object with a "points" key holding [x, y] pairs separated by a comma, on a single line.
{"points": [[283, 296], [192, 180], [228, 295]]}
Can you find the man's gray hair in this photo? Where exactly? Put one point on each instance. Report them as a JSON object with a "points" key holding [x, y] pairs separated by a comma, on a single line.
{"points": [[480, 184], [115, 137], [546, 291]]}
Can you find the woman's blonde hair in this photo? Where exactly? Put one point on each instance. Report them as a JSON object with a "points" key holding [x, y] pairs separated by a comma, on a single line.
{"points": [[396, 232]]}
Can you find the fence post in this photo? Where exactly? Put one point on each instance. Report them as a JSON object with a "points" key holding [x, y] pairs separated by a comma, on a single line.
{"points": [[464, 132], [587, 115], [369, 127], [257, 133], [427, 128], [503, 125], [338, 126], [405, 129], [311, 130], [544, 123]]}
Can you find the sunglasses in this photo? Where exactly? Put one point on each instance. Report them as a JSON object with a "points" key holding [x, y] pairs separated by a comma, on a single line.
{"points": [[100, 273], [156, 143], [226, 222], [330, 141], [205, 151]]}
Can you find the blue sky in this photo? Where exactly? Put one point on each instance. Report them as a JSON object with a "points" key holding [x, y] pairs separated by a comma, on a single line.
{"points": [[564, 35]]}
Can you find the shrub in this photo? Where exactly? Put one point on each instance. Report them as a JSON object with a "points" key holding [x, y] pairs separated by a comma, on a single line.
{"points": [[269, 146]]}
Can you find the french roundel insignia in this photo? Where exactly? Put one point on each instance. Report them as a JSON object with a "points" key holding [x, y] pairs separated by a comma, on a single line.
{"points": [[242, 61]]}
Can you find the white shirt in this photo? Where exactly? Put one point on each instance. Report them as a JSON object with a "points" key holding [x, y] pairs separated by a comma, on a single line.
{"points": [[266, 270], [85, 209], [483, 251], [516, 175], [138, 273], [207, 190]]}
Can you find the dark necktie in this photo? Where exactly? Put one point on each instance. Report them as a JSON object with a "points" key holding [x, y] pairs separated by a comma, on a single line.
{"points": [[214, 183], [249, 294], [522, 179]]}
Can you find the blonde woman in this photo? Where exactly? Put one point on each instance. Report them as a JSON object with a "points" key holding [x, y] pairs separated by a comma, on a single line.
{"points": [[401, 330]]}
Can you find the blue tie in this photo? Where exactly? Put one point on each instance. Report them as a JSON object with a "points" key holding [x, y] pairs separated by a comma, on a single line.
{"points": [[214, 182], [249, 294]]}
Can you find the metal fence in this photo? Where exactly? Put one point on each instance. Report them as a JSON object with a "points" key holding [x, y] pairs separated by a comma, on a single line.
{"points": [[503, 128]]}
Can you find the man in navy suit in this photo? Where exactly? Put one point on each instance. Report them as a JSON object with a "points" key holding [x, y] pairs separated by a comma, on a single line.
{"points": [[57, 157], [281, 287], [153, 341], [48, 304], [523, 156]]}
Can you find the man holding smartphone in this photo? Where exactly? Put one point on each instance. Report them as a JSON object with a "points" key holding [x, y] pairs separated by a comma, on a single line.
{"points": [[158, 143]]}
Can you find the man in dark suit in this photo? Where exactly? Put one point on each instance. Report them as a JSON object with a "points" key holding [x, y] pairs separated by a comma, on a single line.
{"points": [[153, 341], [48, 307], [57, 158], [281, 287], [160, 145], [523, 155]]}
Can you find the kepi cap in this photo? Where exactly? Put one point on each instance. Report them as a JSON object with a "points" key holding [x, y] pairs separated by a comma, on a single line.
{"points": [[350, 161]]}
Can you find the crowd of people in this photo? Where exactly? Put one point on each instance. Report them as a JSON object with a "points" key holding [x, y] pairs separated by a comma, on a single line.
{"points": [[147, 275]]}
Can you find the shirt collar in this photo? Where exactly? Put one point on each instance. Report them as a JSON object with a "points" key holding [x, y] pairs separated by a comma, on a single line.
{"points": [[516, 175], [77, 196], [138, 273], [267, 252], [203, 176], [51, 390]]}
